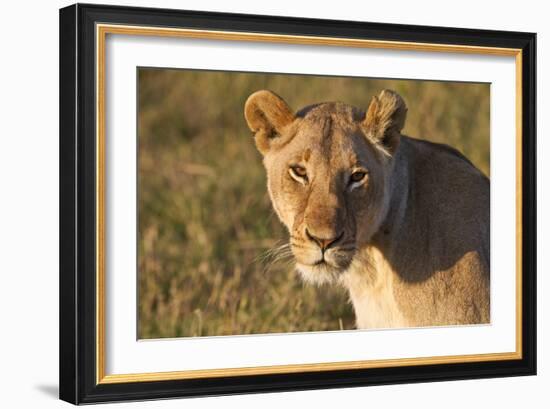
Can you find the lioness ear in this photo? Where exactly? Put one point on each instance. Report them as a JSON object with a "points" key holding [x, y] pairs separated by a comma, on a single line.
{"points": [[385, 119], [267, 115]]}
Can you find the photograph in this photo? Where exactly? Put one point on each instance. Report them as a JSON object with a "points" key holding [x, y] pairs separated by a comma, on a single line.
{"points": [[280, 203], [264, 203]]}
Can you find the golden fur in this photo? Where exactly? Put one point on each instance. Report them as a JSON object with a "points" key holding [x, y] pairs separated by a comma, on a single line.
{"points": [[402, 223]]}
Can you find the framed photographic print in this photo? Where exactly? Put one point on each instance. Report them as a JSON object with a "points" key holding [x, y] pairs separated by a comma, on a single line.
{"points": [[257, 203]]}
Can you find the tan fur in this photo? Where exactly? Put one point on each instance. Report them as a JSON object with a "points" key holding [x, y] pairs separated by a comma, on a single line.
{"points": [[410, 240]]}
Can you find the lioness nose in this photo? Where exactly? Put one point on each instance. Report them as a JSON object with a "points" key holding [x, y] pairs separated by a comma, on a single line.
{"points": [[324, 242]]}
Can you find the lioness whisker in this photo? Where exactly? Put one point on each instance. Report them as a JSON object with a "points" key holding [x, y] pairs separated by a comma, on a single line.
{"points": [[276, 255]]}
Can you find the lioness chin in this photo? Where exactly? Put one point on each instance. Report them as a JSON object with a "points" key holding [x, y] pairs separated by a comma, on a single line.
{"points": [[402, 223]]}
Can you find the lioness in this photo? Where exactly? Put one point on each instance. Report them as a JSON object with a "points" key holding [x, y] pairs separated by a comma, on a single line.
{"points": [[402, 223]]}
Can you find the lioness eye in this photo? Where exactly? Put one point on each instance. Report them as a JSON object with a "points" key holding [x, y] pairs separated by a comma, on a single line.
{"points": [[357, 176], [299, 173]]}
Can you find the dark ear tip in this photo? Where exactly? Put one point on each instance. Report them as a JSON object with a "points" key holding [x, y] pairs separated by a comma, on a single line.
{"points": [[254, 105], [266, 109], [251, 108], [267, 115], [385, 118], [393, 98], [261, 95], [257, 95], [394, 106]]}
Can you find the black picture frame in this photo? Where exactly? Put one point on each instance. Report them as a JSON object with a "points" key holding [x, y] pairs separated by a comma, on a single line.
{"points": [[78, 360]]}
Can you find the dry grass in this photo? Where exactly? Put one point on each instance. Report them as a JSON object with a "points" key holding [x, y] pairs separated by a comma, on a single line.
{"points": [[206, 226]]}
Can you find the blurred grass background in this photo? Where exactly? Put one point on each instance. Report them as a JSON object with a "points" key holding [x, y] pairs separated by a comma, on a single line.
{"points": [[205, 219]]}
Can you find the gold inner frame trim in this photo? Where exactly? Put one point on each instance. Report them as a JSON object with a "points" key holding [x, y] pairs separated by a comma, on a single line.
{"points": [[101, 33]]}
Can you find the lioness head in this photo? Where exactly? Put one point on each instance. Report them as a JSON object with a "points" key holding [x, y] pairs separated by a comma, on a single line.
{"points": [[328, 168]]}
